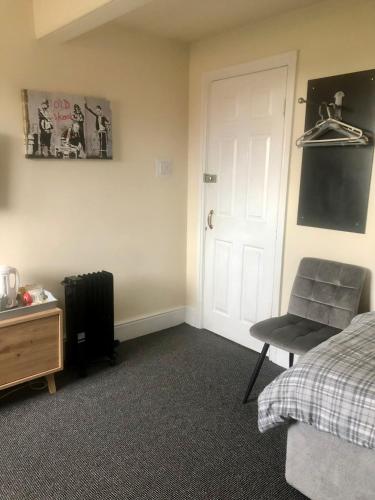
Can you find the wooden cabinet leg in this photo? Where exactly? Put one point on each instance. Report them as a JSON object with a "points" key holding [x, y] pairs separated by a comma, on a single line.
{"points": [[51, 383]]}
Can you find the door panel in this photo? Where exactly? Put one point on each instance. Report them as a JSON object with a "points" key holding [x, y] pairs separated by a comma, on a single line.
{"points": [[244, 149], [251, 275], [257, 179], [261, 103], [222, 274], [227, 173]]}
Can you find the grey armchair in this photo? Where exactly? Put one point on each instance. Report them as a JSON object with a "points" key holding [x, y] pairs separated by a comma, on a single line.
{"points": [[325, 297]]}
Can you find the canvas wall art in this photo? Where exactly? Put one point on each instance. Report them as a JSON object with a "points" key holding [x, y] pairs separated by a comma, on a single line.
{"points": [[64, 126]]}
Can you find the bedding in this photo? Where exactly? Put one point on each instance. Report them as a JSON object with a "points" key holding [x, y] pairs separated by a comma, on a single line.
{"points": [[332, 387]]}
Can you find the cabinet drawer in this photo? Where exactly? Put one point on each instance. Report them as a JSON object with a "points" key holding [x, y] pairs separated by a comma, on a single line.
{"points": [[29, 348]]}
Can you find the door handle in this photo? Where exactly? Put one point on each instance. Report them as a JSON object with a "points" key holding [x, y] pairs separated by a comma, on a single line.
{"points": [[209, 219]]}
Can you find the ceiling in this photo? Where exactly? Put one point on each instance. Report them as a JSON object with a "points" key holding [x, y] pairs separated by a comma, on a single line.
{"points": [[190, 20]]}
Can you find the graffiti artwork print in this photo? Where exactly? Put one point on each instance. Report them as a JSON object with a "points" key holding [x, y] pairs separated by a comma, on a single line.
{"points": [[64, 126]]}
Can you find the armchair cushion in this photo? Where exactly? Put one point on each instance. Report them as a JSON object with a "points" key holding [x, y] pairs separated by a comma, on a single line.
{"points": [[292, 333]]}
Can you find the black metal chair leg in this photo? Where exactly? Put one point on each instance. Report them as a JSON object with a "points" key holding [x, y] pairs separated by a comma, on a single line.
{"points": [[291, 359], [256, 371]]}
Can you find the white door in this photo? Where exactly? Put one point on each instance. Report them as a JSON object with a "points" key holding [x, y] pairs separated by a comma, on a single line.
{"points": [[244, 149]]}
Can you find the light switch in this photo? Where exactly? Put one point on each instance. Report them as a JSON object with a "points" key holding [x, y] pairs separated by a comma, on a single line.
{"points": [[163, 168]]}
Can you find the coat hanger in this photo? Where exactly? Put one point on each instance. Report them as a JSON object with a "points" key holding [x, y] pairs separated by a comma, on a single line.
{"points": [[348, 134]]}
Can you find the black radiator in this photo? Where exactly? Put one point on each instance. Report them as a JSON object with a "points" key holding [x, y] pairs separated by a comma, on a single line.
{"points": [[89, 319]]}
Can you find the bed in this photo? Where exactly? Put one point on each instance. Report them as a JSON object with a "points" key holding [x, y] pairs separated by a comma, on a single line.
{"points": [[328, 401]]}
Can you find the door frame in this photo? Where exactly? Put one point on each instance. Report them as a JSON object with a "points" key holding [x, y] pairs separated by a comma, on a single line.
{"points": [[288, 60]]}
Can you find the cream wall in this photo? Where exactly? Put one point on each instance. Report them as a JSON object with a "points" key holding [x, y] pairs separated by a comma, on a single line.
{"points": [[50, 15], [65, 20], [332, 37], [60, 218]]}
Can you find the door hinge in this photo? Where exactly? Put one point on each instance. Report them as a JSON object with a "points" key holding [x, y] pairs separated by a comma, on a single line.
{"points": [[284, 107], [209, 178]]}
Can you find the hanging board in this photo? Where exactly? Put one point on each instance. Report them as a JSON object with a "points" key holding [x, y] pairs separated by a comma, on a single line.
{"points": [[335, 180]]}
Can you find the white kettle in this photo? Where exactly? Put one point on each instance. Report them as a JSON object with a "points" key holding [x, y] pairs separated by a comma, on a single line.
{"points": [[9, 283]]}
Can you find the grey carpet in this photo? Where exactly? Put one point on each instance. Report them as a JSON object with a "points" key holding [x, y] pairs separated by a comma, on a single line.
{"points": [[166, 423]]}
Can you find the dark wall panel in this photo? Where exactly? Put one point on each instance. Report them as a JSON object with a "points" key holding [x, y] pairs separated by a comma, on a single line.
{"points": [[335, 181]]}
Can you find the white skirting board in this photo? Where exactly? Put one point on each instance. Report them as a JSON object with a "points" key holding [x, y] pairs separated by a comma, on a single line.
{"points": [[143, 325], [191, 317], [280, 357]]}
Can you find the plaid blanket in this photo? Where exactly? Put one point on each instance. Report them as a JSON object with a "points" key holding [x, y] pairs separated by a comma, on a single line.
{"points": [[332, 387]]}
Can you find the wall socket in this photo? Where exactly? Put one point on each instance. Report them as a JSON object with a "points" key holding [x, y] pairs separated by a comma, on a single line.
{"points": [[163, 168]]}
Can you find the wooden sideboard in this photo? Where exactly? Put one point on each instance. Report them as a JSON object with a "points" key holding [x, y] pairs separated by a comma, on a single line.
{"points": [[31, 346]]}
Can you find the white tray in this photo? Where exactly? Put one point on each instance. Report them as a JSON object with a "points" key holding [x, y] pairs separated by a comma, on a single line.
{"points": [[50, 303]]}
